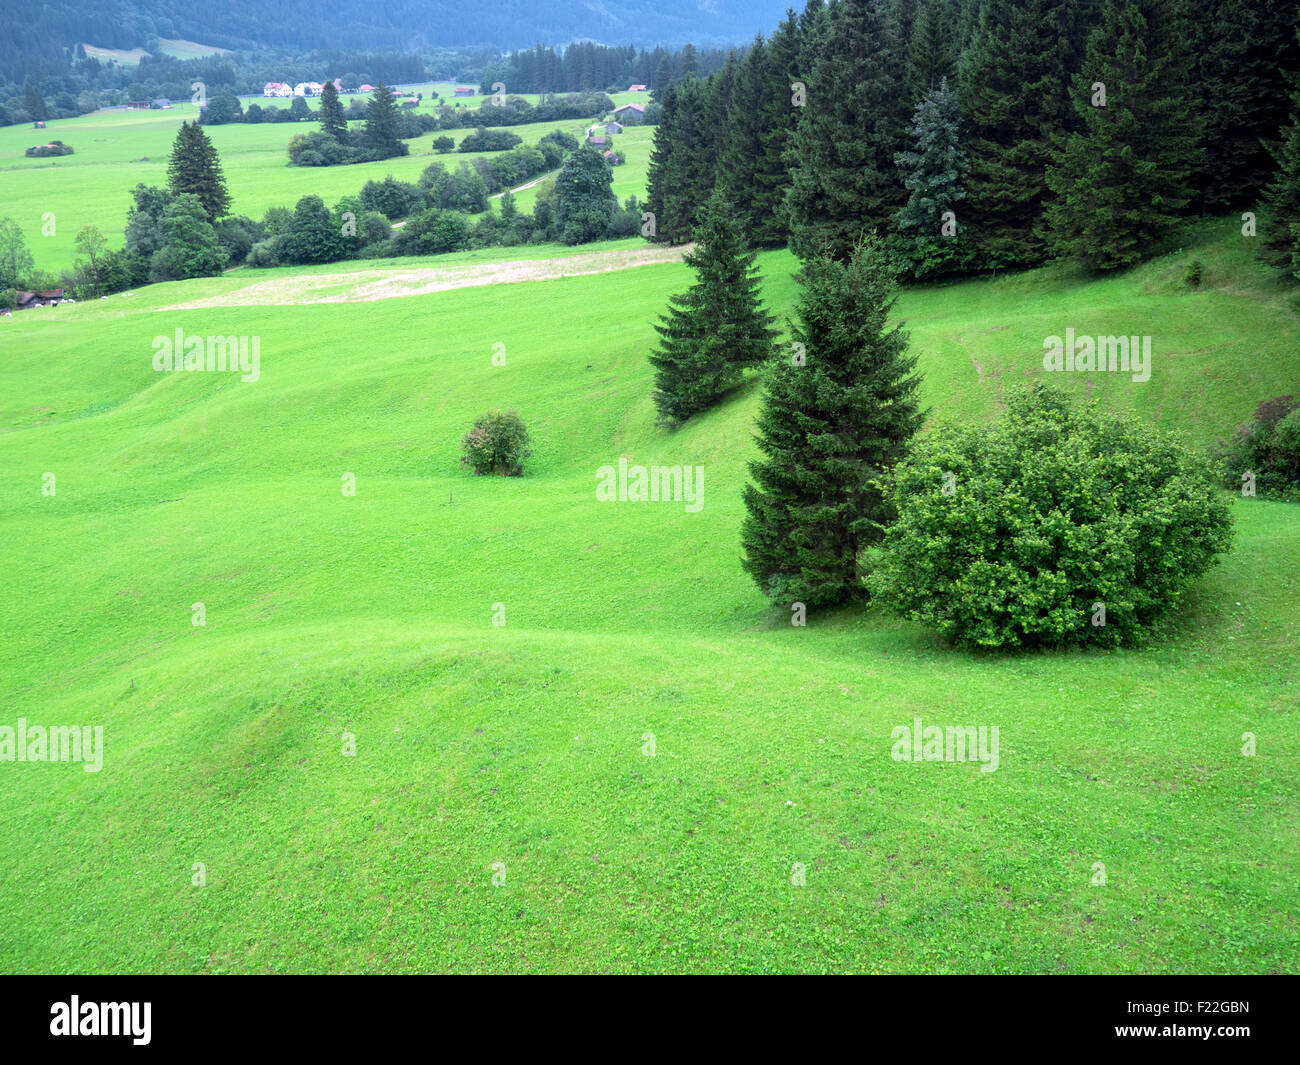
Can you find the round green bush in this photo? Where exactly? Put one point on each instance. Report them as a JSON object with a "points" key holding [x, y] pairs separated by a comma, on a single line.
{"points": [[498, 444], [1053, 526]]}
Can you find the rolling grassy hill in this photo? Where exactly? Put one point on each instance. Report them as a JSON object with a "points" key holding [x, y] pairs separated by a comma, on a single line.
{"points": [[522, 752], [117, 150]]}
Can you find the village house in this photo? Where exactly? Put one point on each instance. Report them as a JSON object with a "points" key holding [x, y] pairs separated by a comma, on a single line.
{"points": [[613, 127], [636, 88], [366, 88], [597, 140], [277, 88], [631, 114], [463, 90]]}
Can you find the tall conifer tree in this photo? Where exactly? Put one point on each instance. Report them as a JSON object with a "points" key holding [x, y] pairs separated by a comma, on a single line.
{"points": [[742, 141], [196, 169], [718, 327], [927, 232], [832, 422], [1246, 54], [332, 121], [779, 71], [844, 183], [1013, 84], [1281, 233], [382, 127], [1126, 178]]}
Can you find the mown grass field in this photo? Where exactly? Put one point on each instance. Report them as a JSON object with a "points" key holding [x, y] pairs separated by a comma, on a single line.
{"points": [[51, 199], [520, 751], [179, 48]]}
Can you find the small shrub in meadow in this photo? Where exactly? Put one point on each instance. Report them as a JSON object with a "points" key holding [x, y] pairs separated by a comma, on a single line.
{"points": [[1054, 526], [497, 445], [1263, 449]]}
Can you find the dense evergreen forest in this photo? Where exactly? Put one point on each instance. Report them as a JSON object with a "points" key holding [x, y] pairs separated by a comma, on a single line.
{"points": [[986, 134]]}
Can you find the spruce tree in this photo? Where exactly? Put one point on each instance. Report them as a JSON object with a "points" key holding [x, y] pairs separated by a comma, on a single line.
{"points": [[689, 64], [664, 152], [332, 122], [1125, 180], [832, 422], [742, 144], [196, 169], [1246, 53], [930, 244], [931, 49], [662, 81], [1013, 84], [720, 90], [718, 327], [844, 183], [33, 103], [382, 126], [1281, 236], [778, 69], [686, 166]]}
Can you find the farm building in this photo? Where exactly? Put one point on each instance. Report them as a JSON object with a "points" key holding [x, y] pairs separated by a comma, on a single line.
{"points": [[597, 140], [366, 88], [613, 127], [462, 90], [636, 88], [49, 298], [160, 104], [631, 114]]}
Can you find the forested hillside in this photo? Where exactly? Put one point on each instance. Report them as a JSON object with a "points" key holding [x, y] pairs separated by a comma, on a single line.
{"points": [[34, 41]]}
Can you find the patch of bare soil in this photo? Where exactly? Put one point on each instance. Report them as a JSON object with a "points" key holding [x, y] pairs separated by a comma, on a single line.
{"points": [[361, 286]]}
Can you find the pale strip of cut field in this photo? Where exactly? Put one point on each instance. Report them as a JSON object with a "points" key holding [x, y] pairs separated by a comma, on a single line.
{"points": [[362, 286]]}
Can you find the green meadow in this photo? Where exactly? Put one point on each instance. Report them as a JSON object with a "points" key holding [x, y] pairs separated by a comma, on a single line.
{"points": [[646, 767], [51, 199]]}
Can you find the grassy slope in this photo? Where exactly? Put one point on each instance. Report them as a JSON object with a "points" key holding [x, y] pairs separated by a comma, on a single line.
{"points": [[117, 150], [523, 744]]}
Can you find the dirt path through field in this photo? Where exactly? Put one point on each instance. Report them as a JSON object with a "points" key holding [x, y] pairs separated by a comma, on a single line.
{"points": [[360, 286]]}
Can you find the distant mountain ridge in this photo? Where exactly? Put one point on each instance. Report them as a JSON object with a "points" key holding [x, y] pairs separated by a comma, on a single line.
{"points": [[397, 24]]}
